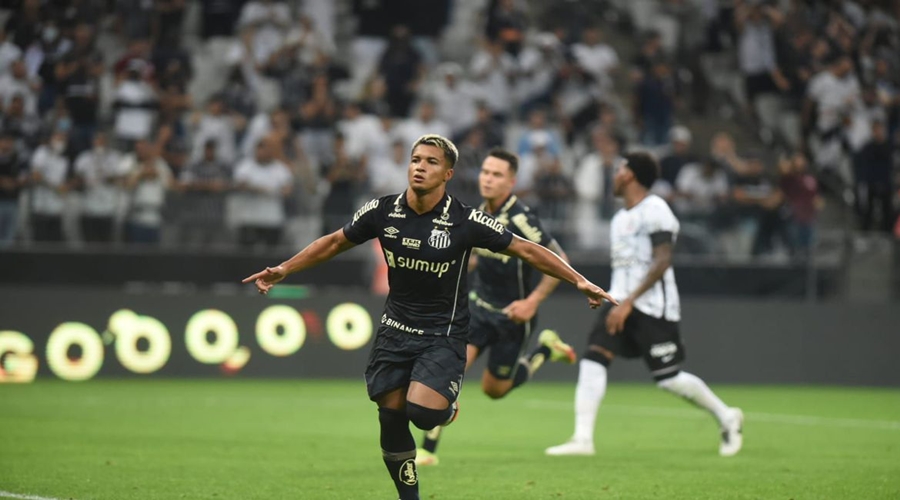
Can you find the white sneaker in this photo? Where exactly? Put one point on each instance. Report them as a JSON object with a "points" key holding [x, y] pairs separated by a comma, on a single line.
{"points": [[732, 434], [571, 447]]}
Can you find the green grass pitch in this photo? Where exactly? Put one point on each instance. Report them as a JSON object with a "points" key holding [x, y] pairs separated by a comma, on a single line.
{"points": [[313, 439]]}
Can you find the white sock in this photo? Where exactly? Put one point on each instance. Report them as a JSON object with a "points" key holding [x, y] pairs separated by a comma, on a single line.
{"points": [[588, 395], [696, 391]]}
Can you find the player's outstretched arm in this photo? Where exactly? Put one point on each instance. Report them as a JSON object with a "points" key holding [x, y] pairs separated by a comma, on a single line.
{"points": [[324, 248], [551, 264]]}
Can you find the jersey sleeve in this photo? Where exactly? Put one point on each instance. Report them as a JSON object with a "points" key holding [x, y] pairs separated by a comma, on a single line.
{"points": [[528, 226], [660, 219], [486, 232], [364, 225]]}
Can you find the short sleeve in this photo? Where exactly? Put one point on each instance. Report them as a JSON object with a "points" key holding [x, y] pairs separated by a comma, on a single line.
{"points": [[364, 225], [528, 226], [487, 232], [661, 219]]}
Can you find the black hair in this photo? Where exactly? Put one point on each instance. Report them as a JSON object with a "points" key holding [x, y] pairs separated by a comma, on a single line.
{"points": [[644, 167], [507, 156]]}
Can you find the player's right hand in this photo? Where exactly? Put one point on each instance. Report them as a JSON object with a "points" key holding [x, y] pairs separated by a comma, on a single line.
{"points": [[266, 279], [595, 294]]}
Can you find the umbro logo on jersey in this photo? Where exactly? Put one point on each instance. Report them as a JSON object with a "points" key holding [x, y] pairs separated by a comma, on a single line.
{"points": [[391, 232], [454, 387], [439, 239]]}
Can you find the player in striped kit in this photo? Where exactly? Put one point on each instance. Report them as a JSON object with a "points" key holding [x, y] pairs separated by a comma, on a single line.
{"points": [[645, 323]]}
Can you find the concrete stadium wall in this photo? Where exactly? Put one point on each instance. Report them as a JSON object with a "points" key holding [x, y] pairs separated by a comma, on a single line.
{"points": [[328, 335]]}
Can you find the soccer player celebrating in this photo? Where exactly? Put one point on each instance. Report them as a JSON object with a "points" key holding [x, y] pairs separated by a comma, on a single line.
{"points": [[417, 361], [506, 297], [645, 323]]}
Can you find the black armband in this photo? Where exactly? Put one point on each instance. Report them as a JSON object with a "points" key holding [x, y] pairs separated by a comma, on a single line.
{"points": [[662, 238]]}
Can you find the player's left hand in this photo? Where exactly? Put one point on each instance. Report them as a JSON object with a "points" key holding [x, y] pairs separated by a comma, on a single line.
{"points": [[521, 311], [595, 294], [615, 320], [266, 279]]}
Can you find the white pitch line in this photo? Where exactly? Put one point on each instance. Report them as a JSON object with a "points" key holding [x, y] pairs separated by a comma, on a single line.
{"points": [[19, 496], [775, 418]]}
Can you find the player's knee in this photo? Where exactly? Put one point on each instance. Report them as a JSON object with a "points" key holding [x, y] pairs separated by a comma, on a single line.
{"points": [[426, 418], [493, 391], [599, 355]]}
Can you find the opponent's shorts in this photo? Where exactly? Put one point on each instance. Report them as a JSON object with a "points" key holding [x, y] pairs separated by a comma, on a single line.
{"points": [[490, 329], [657, 340], [398, 358]]}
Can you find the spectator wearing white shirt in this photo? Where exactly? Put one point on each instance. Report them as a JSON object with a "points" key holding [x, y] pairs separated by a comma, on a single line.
{"points": [[9, 52], [595, 58], [360, 131], [219, 125], [135, 104], [381, 142], [262, 125], [149, 180], [701, 188], [266, 23], [834, 94], [493, 71], [262, 184], [539, 65], [426, 122], [49, 171], [593, 182], [756, 24], [389, 175], [454, 98], [101, 173], [309, 42]]}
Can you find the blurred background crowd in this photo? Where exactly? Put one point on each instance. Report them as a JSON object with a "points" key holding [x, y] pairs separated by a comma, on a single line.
{"points": [[229, 123]]}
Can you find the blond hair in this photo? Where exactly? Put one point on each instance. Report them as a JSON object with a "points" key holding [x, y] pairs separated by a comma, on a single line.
{"points": [[451, 154]]}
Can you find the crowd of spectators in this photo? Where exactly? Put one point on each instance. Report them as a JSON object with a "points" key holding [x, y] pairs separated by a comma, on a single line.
{"points": [[261, 122]]}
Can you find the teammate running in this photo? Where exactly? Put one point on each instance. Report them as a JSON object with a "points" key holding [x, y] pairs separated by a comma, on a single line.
{"points": [[506, 296]]}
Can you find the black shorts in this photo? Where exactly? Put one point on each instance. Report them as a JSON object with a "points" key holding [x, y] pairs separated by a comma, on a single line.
{"points": [[397, 358], [657, 340], [505, 339]]}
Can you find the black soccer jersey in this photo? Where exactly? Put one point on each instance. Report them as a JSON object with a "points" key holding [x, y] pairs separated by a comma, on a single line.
{"points": [[501, 278], [427, 256]]}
